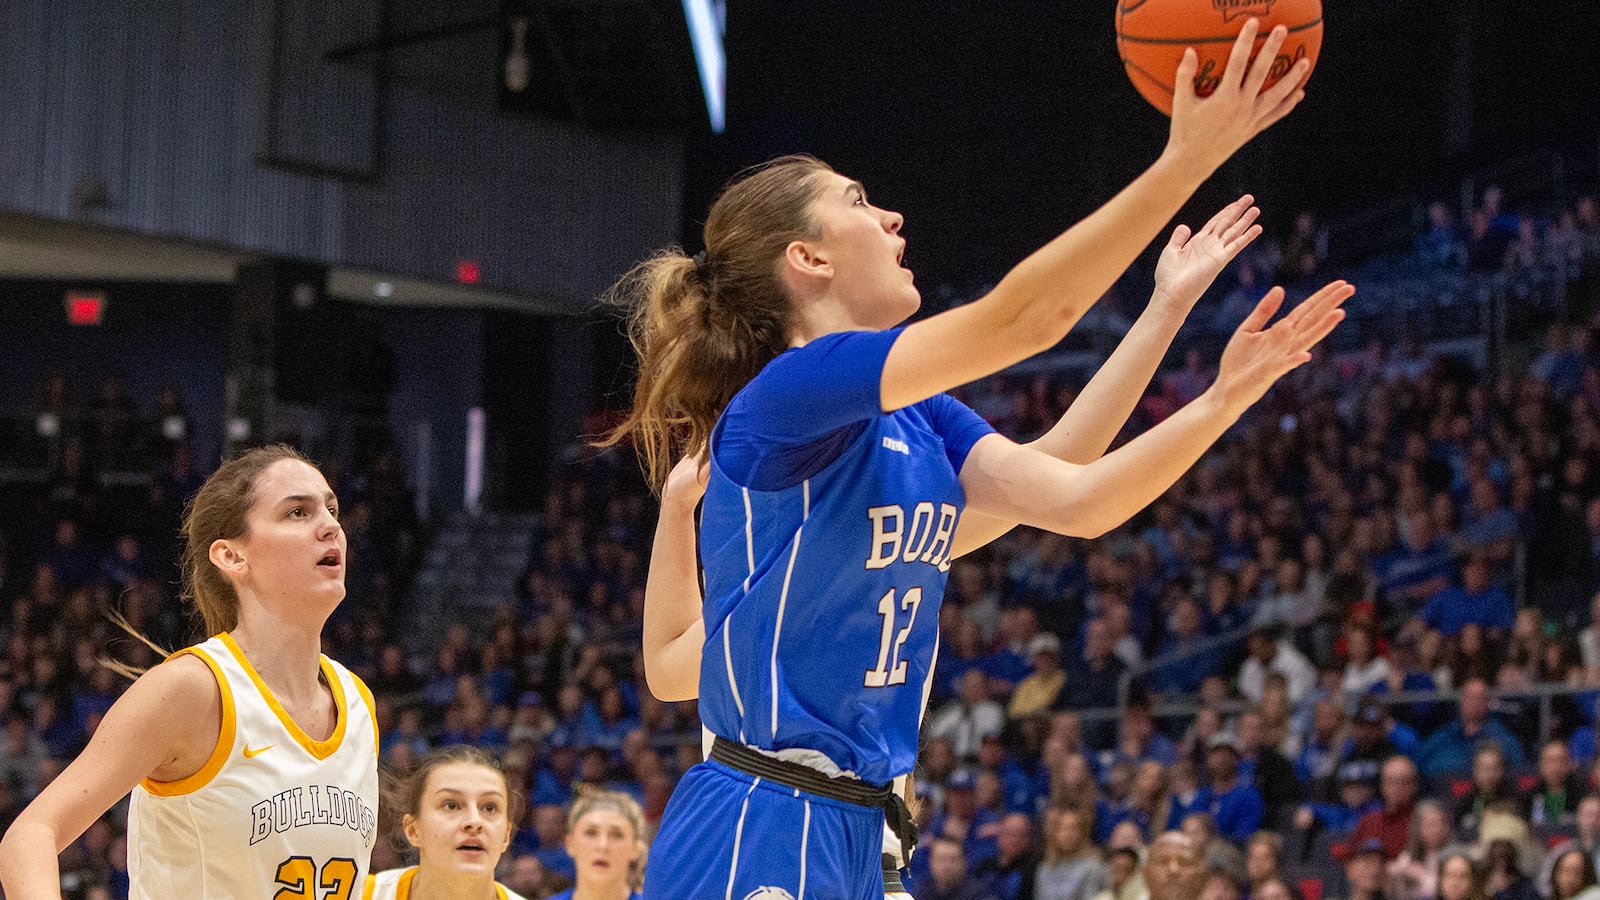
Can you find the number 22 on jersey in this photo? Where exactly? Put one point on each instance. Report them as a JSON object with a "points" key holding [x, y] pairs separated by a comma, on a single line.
{"points": [[301, 879]]}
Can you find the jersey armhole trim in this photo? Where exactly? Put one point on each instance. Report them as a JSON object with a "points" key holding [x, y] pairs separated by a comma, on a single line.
{"points": [[372, 710], [225, 738]]}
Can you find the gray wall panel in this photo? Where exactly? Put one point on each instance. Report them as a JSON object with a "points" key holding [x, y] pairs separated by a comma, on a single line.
{"points": [[165, 101]]}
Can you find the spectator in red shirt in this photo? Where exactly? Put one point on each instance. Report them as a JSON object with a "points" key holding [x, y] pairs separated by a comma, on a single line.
{"points": [[1391, 825]]}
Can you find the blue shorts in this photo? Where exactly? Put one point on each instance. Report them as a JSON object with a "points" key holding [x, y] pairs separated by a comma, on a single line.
{"points": [[728, 835]]}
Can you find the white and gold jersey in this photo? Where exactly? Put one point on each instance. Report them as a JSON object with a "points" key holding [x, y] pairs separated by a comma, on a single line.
{"points": [[273, 813], [395, 884]]}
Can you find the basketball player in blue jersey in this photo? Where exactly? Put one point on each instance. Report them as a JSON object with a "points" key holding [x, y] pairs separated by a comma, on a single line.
{"points": [[674, 631], [839, 470]]}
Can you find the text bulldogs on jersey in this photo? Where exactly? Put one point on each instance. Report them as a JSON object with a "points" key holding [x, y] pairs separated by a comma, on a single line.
{"points": [[312, 805], [927, 538]]}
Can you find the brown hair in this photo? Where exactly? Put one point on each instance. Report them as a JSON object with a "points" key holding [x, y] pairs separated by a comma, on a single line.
{"points": [[408, 792], [218, 512], [703, 326]]}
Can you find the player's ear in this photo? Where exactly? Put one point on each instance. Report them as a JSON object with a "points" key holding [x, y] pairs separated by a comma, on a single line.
{"points": [[408, 823]]}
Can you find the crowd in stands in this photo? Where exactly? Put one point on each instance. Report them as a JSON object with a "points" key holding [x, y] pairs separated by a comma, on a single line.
{"points": [[1352, 654]]}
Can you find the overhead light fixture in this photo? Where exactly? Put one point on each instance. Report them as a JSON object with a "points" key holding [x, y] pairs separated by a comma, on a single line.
{"points": [[517, 59], [383, 289]]}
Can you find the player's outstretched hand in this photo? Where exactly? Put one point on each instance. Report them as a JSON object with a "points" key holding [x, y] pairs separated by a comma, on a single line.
{"points": [[1207, 130], [1257, 356], [686, 483], [1192, 260]]}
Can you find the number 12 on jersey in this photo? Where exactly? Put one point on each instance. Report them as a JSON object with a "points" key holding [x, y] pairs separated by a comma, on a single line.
{"points": [[891, 668]]}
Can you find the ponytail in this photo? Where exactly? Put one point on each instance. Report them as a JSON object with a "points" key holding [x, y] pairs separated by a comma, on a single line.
{"points": [[703, 326]]}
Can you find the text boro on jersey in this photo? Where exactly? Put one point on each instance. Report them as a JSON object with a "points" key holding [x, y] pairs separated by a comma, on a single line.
{"points": [[312, 805], [924, 536]]}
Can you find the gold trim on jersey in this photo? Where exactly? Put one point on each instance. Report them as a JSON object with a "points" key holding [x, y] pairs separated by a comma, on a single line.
{"points": [[225, 737], [319, 749], [402, 886], [372, 710]]}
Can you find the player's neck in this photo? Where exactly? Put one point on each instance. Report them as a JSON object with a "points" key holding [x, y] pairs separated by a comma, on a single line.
{"points": [[288, 658], [445, 886]]}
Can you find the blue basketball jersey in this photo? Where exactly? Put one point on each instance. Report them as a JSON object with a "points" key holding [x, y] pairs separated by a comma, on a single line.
{"points": [[823, 593]]}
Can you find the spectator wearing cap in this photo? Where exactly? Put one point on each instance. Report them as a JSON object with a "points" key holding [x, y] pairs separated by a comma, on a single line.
{"points": [[1375, 735], [969, 717], [1450, 748], [1269, 652], [1234, 803], [1363, 871], [1553, 803], [1475, 601], [1356, 795], [1039, 690], [1391, 823], [962, 819], [1490, 787]]}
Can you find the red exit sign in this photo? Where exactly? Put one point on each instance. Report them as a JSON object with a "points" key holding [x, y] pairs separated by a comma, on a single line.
{"points": [[85, 307]]}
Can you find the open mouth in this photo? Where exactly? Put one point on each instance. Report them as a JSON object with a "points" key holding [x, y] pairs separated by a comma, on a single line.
{"points": [[331, 558], [471, 847]]}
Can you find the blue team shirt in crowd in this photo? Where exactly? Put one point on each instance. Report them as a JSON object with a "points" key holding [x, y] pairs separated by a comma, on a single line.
{"points": [[826, 539]]}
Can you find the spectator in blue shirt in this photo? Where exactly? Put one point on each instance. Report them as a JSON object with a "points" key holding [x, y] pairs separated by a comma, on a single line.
{"points": [[1419, 568], [1474, 601], [1450, 749], [1186, 631], [1235, 804]]}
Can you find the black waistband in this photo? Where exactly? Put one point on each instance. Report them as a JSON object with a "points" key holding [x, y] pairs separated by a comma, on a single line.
{"points": [[891, 877], [791, 774], [805, 778]]}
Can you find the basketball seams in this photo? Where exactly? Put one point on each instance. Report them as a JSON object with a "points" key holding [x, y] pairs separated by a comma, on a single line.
{"points": [[1226, 39]]}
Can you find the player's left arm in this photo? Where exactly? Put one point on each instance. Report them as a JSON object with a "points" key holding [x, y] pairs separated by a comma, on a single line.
{"points": [[674, 630], [1188, 265], [1005, 480]]}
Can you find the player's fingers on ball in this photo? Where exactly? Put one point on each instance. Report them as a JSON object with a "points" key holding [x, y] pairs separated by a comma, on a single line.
{"points": [[1183, 87], [1239, 57], [1285, 87], [1262, 67]]}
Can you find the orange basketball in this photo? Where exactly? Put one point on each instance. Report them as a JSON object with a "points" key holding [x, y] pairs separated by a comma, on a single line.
{"points": [[1152, 35]]}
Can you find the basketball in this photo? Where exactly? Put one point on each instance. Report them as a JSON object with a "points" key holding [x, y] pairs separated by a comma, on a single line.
{"points": [[1152, 35]]}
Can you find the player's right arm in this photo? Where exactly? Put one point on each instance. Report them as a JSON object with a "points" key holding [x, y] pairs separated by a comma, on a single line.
{"points": [[1039, 301], [165, 728], [673, 627]]}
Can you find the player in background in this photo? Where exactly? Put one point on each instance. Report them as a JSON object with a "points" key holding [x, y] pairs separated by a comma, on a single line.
{"points": [[674, 631], [457, 806], [605, 838], [829, 432], [252, 758]]}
